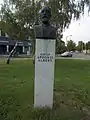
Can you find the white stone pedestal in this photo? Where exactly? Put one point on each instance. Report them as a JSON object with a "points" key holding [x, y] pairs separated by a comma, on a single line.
{"points": [[44, 73]]}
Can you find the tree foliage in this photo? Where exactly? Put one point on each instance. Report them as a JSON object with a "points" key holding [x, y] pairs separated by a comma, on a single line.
{"points": [[60, 46], [81, 46], [21, 15], [88, 45], [71, 46]]}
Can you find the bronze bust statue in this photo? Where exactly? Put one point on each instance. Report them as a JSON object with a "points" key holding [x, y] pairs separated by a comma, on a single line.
{"points": [[45, 30]]}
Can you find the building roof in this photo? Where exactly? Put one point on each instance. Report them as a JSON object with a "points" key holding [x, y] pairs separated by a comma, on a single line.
{"points": [[7, 41]]}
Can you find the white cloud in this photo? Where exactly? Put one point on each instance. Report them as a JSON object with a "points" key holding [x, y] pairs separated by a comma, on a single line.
{"points": [[79, 29], [1, 1]]}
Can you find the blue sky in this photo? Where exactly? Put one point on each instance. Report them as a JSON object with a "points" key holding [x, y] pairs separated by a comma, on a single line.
{"points": [[80, 30]]}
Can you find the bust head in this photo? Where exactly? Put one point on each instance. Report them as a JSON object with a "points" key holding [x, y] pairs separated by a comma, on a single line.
{"points": [[45, 15], [45, 30]]}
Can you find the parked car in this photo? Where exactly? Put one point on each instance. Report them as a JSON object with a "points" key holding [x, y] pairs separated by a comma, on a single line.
{"points": [[66, 54]]}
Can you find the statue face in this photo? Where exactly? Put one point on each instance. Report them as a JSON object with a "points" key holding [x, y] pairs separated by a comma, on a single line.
{"points": [[45, 14]]}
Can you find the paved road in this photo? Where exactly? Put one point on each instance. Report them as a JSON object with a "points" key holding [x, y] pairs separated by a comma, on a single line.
{"points": [[75, 56], [81, 56]]}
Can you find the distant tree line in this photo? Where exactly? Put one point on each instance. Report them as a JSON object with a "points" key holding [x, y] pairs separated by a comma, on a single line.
{"points": [[71, 46]]}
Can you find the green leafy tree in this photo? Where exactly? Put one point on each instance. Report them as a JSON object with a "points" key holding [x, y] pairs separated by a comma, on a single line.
{"points": [[20, 13], [81, 46], [13, 30], [20, 16], [60, 46], [71, 46], [88, 45]]}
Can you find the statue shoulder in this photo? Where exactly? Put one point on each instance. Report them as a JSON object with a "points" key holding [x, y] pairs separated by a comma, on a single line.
{"points": [[53, 32], [37, 27]]}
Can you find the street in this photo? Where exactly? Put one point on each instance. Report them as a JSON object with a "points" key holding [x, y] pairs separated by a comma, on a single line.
{"points": [[81, 56]]}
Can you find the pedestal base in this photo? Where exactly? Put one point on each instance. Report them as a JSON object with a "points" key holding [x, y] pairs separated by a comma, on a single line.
{"points": [[44, 73]]}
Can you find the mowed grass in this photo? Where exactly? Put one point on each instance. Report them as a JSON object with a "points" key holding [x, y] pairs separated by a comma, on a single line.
{"points": [[71, 91]]}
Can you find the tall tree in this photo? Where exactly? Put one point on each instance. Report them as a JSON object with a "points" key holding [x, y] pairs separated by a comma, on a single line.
{"points": [[71, 46], [81, 46], [60, 46], [23, 14], [88, 45]]}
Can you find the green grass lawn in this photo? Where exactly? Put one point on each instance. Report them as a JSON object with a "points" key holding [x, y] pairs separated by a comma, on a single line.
{"points": [[71, 91]]}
